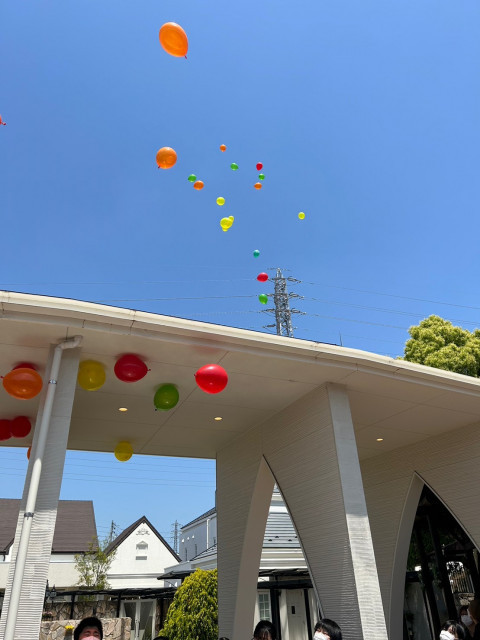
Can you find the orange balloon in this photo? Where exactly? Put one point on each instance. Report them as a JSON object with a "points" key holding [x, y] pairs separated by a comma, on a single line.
{"points": [[258, 185], [166, 158], [174, 39], [23, 383], [223, 147], [198, 185]]}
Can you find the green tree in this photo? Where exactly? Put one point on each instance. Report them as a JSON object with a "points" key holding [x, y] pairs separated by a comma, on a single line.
{"points": [[435, 342], [93, 566], [193, 614]]}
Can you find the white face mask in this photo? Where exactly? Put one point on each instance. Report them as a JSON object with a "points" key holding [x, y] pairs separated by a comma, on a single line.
{"points": [[446, 635], [320, 636], [467, 621]]}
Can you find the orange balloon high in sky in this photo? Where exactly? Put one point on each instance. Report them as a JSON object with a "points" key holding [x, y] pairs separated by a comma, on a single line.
{"points": [[166, 158], [174, 39]]}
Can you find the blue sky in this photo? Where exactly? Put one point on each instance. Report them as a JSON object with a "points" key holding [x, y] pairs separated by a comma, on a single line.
{"points": [[364, 114]]}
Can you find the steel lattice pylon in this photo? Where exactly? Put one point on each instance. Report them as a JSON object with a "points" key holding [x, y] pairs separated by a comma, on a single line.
{"points": [[282, 311]]}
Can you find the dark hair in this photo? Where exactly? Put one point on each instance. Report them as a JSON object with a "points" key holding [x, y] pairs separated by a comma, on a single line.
{"points": [[223, 638], [161, 638], [457, 628], [265, 630], [330, 627], [92, 621], [463, 609]]}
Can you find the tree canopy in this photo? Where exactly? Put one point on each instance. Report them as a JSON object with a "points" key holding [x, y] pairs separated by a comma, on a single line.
{"points": [[93, 566], [437, 343], [193, 614]]}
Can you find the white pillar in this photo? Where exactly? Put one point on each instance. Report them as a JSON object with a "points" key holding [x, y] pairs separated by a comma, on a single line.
{"points": [[43, 525], [244, 491]]}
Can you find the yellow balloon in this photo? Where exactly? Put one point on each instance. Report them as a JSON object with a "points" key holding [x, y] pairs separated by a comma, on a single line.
{"points": [[301, 216], [226, 223], [123, 451], [220, 201], [91, 375], [231, 218]]}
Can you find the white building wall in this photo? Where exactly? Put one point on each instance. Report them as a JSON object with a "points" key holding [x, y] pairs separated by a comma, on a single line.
{"points": [[197, 537], [137, 566]]}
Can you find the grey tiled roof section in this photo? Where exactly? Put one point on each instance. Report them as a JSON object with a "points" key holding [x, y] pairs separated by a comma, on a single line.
{"points": [[211, 551], [211, 512], [75, 527], [280, 532]]}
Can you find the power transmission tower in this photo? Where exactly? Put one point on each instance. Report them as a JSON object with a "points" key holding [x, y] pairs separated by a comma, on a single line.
{"points": [[282, 311], [175, 532], [113, 532]]}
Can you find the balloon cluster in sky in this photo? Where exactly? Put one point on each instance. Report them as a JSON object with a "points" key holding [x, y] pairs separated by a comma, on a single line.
{"points": [[175, 42]]}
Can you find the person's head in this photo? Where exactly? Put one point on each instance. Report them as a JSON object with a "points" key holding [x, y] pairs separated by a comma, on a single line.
{"points": [[451, 630], [265, 630], [474, 610], [326, 629], [88, 628], [161, 638], [464, 617]]}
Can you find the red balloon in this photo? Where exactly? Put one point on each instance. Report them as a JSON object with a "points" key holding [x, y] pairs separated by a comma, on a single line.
{"points": [[259, 166], [25, 365], [23, 383], [29, 451], [262, 277], [129, 368], [5, 433], [20, 427], [211, 378]]}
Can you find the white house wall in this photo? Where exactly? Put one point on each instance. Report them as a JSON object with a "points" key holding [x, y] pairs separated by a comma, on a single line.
{"points": [[391, 483], [197, 537], [126, 571]]}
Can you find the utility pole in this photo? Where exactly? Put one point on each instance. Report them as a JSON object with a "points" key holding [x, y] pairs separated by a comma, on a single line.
{"points": [[112, 534], [282, 311], [175, 531]]}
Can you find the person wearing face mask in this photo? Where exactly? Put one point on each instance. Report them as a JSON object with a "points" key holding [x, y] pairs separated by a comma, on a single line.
{"points": [[89, 628], [466, 621], [452, 630], [326, 629], [474, 613]]}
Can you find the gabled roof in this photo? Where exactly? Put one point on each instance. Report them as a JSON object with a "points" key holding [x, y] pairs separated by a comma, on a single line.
{"points": [[208, 513], [126, 532], [75, 527]]}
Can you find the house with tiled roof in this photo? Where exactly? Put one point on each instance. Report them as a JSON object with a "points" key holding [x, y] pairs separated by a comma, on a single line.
{"points": [[284, 590]]}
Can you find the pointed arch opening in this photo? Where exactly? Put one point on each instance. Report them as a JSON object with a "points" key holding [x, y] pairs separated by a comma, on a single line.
{"points": [[442, 568]]}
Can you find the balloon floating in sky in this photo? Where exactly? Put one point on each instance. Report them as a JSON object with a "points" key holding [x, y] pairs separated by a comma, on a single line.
{"points": [[173, 39], [211, 378], [91, 375], [130, 368], [123, 451], [234, 166], [261, 176], [256, 253], [301, 216], [166, 397], [20, 427], [166, 158], [2, 122], [198, 185], [259, 166], [223, 147], [262, 277], [226, 223], [258, 185], [192, 177], [23, 382], [263, 298], [220, 201]]}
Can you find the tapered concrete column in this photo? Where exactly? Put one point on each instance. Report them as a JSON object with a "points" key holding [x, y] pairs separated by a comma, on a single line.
{"points": [[43, 525], [244, 492], [312, 453]]}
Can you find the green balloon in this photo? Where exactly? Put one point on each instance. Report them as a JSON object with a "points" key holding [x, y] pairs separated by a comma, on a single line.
{"points": [[256, 253], [234, 166], [166, 397], [261, 176], [192, 178], [263, 298]]}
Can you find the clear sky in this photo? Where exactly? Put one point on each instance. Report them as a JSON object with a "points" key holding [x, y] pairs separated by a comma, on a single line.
{"points": [[364, 115]]}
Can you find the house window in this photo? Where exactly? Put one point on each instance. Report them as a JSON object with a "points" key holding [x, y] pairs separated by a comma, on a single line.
{"points": [[142, 548], [264, 606]]}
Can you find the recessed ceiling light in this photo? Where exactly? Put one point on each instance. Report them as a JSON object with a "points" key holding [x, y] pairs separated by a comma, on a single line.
{"points": [[379, 439], [122, 409], [218, 418]]}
